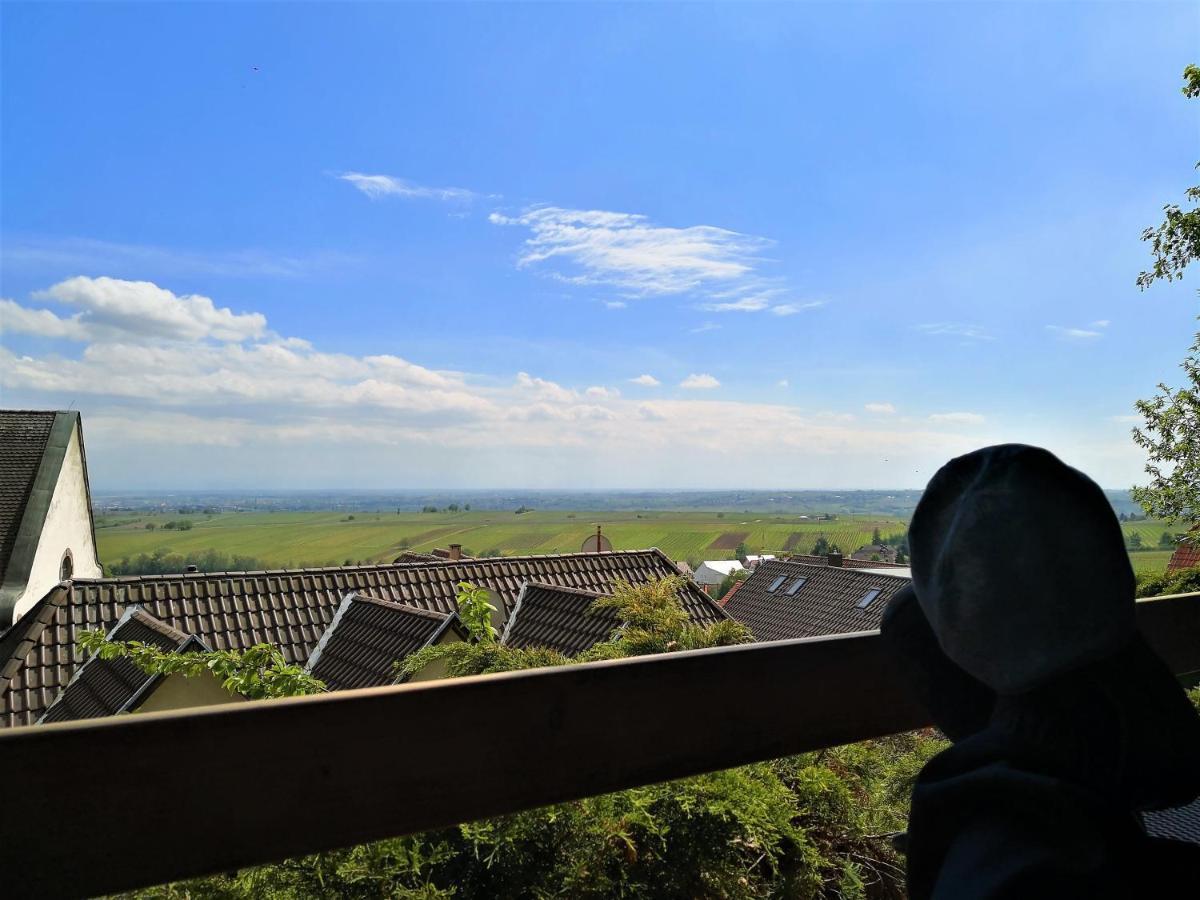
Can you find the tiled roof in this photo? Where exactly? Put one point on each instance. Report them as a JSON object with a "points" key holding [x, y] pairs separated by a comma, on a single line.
{"points": [[23, 436], [103, 687], [1181, 823], [559, 619], [847, 562], [368, 637], [729, 593], [825, 604], [1186, 555], [289, 609]]}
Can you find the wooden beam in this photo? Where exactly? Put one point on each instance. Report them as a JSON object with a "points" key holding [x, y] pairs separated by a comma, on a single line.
{"points": [[105, 805]]}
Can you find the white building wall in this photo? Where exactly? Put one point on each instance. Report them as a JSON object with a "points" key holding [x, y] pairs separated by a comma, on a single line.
{"points": [[68, 527]]}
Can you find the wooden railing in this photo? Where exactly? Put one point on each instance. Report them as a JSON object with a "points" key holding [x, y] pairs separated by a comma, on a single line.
{"points": [[112, 804]]}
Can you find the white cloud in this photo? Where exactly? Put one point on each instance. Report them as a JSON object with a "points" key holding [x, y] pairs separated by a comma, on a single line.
{"points": [[1101, 323], [1074, 334], [599, 392], [790, 309], [42, 322], [376, 186], [627, 251], [782, 382], [699, 382], [615, 304], [703, 327], [646, 381], [111, 306], [957, 418], [962, 330], [885, 409]]}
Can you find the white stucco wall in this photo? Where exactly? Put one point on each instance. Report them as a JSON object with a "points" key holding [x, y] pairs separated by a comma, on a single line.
{"points": [[68, 527]]}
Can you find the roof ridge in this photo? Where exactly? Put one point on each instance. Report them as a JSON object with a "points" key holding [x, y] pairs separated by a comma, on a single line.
{"points": [[546, 586], [400, 607], [309, 570]]}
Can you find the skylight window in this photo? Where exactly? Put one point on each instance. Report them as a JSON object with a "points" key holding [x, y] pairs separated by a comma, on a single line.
{"points": [[776, 583], [796, 585], [867, 598]]}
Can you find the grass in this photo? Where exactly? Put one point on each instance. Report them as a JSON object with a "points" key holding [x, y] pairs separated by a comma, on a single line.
{"points": [[323, 538]]}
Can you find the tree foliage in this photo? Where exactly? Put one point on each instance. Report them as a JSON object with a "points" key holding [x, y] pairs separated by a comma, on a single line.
{"points": [[259, 673], [475, 610], [1170, 434], [816, 825]]}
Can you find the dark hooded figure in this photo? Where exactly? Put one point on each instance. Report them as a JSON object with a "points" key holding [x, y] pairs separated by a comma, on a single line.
{"points": [[1018, 634]]}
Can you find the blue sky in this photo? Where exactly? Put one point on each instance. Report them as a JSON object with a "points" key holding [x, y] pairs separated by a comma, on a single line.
{"points": [[588, 245]]}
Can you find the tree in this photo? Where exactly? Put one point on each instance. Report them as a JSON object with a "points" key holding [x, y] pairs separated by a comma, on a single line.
{"points": [[1134, 541], [876, 537], [1166, 541], [742, 551], [730, 580], [821, 547], [1171, 433]]}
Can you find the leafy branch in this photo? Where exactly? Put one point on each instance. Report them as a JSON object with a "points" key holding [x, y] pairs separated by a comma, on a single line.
{"points": [[259, 673]]}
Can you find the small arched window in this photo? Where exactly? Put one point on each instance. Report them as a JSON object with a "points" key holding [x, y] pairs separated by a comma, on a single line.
{"points": [[67, 567]]}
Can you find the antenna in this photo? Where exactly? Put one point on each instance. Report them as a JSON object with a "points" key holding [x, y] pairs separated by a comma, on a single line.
{"points": [[596, 543]]}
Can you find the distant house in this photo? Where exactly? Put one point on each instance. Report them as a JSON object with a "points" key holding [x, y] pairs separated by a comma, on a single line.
{"points": [[875, 553], [295, 609], [710, 573], [783, 600], [1187, 552], [753, 561], [46, 530]]}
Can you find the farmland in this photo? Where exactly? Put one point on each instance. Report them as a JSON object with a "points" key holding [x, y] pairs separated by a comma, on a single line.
{"points": [[292, 539]]}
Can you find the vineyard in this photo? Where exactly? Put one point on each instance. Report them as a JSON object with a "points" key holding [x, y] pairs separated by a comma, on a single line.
{"points": [[324, 538]]}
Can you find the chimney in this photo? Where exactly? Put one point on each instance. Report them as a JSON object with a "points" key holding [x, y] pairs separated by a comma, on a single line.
{"points": [[835, 559], [456, 551]]}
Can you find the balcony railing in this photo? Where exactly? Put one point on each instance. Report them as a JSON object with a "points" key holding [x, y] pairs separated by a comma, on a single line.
{"points": [[112, 804]]}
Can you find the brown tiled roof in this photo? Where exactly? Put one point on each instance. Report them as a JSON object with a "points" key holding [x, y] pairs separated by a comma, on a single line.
{"points": [[847, 562], [103, 687], [369, 636], [729, 593], [1182, 823], [289, 609], [23, 437], [825, 604], [557, 618], [1187, 553]]}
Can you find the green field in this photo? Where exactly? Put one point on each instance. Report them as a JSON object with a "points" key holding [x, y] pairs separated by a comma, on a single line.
{"points": [[289, 539], [316, 538]]}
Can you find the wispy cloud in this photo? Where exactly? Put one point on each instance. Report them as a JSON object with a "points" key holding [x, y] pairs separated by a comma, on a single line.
{"points": [[883, 409], [1074, 334], [782, 382], [701, 382], [703, 327], [958, 418], [376, 186], [790, 309], [628, 251], [963, 330], [646, 381], [615, 304], [53, 254]]}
